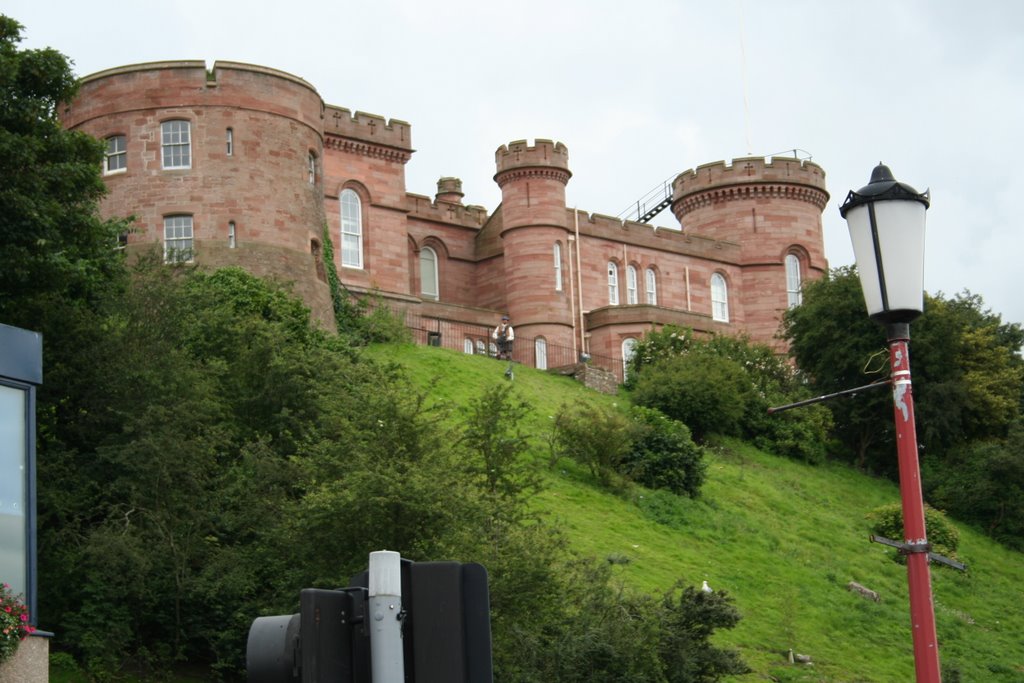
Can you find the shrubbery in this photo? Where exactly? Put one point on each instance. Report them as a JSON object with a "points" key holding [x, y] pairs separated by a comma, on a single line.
{"points": [[943, 536], [725, 385], [647, 447]]}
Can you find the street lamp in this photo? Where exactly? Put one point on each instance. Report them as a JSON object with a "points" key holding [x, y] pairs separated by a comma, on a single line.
{"points": [[886, 220]]}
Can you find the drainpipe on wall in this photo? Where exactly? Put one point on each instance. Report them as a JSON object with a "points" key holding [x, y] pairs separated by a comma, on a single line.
{"points": [[579, 282]]}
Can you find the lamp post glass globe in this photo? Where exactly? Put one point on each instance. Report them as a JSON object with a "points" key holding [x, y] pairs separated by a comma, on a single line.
{"points": [[886, 220]]}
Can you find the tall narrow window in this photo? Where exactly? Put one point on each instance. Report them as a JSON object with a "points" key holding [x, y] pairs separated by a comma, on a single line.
{"points": [[651, 284], [231, 235], [177, 239], [229, 140], [631, 290], [558, 266], [176, 144], [467, 346], [312, 168], [794, 295], [613, 284], [351, 230], [116, 158], [540, 351], [628, 349], [719, 298], [428, 273]]}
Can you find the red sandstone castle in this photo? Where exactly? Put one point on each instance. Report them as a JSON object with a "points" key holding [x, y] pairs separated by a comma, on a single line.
{"points": [[244, 165]]}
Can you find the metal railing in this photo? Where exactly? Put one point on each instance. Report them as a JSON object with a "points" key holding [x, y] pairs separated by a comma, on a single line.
{"points": [[476, 339]]}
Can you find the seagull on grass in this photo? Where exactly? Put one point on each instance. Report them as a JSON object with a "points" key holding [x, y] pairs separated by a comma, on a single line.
{"points": [[706, 588]]}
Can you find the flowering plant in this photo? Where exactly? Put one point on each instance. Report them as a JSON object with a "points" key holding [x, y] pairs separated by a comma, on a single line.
{"points": [[14, 626]]}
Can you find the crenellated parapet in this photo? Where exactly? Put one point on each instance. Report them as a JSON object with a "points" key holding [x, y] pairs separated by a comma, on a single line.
{"points": [[367, 134], [544, 159], [462, 215], [749, 178]]}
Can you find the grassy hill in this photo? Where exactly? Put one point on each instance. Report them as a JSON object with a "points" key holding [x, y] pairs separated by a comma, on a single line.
{"points": [[782, 538]]}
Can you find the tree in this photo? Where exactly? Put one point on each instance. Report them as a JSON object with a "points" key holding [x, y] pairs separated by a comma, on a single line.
{"points": [[965, 361], [56, 248], [837, 347]]}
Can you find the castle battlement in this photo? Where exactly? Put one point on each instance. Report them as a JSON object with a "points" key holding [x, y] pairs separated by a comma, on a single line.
{"points": [[365, 127], [750, 177], [542, 154], [463, 215]]}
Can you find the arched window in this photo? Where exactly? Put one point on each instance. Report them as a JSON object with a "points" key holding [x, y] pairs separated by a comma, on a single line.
{"points": [[229, 141], [428, 273], [540, 350], [631, 291], [467, 346], [628, 349], [613, 284], [794, 296], [492, 350], [651, 284], [719, 298], [311, 168], [232, 235], [351, 230], [557, 252], [481, 350]]}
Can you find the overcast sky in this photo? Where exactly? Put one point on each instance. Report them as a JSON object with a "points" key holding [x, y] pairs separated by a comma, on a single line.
{"points": [[640, 90]]}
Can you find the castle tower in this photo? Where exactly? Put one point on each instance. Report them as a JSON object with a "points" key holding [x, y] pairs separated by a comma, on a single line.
{"points": [[226, 163], [534, 230], [773, 211]]}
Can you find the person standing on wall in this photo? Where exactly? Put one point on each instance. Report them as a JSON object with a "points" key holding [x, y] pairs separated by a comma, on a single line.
{"points": [[504, 335]]}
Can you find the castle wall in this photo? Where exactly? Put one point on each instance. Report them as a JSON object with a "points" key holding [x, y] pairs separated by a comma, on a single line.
{"points": [[739, 220]]}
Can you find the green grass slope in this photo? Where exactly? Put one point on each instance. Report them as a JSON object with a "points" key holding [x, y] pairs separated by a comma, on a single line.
{"points": [[784, 539]]}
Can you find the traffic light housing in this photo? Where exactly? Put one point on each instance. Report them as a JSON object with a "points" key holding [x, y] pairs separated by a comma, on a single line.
{"points": [[446, 631]]}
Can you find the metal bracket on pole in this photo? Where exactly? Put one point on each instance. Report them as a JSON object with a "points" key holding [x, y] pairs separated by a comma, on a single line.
{"points": [[826, 397], [911, 548]]}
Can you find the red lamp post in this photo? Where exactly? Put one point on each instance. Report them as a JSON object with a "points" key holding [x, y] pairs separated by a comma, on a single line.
{"points": [[886, 220]]}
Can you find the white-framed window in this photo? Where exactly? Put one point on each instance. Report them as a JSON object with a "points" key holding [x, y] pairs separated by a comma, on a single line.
{"points": [[628, 349], [229, 140], [175, 144], [351, 229], [492, 349], [467, 346], [794, 295], [232, 235], [719, 298], [177, 239], [540, 351], [311, 168], [481, 349], [613, 284], [115, 160], [632, 296], [651, 286], [557, 252], [428, 273]]}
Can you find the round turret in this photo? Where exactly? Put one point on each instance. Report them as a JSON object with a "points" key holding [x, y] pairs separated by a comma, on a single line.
{"points": [[226, 163], [534, 233], [772, 210]]}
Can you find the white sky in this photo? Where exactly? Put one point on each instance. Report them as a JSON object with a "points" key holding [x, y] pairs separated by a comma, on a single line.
{"points": [[639, 90]]}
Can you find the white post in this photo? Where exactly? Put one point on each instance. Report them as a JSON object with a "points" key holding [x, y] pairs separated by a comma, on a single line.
{"points": [[385, 592]]}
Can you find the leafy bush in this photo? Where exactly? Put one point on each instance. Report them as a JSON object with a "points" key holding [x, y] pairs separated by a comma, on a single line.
{"points": [[943, 536], [599, 439], [663, 455], [708, 393]]}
